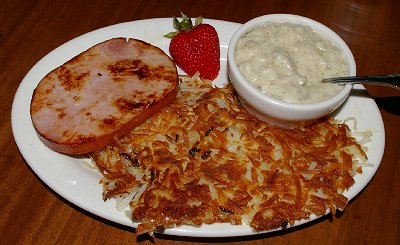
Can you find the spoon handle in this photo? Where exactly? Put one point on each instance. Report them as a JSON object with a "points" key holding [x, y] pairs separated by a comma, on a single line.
{"points": [[391, 80]]}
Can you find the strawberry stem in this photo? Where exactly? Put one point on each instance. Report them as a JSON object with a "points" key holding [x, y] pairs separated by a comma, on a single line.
{"points": [[185, 24], [198, 21]]}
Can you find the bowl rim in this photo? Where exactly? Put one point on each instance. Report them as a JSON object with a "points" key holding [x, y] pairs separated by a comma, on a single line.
{"points": [[295, 19]]}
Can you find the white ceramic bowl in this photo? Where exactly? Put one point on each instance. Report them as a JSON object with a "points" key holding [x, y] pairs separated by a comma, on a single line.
{"points": [[275, 111]]}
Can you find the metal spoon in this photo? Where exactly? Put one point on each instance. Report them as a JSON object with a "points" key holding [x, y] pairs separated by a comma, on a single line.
{"points": [[391, 80]]}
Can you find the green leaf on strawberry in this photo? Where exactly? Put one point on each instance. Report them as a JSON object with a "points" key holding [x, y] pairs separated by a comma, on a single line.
{"points": [[195, 48]]}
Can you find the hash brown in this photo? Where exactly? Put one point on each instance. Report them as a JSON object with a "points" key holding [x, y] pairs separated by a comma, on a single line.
{"points": [[204, 159]]}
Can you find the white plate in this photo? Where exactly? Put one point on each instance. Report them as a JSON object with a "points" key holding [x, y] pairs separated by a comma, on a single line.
{"points": [[80, 185]]}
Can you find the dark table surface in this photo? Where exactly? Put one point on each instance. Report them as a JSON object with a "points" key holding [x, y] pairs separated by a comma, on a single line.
{"points": [[32, 213]]}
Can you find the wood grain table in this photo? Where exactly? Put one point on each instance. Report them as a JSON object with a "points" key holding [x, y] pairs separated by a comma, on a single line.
{"points": [[32, 213]]}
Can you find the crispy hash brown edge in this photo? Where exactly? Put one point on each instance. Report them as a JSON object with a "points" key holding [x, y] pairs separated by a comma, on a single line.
{"points": [[204, 159]]}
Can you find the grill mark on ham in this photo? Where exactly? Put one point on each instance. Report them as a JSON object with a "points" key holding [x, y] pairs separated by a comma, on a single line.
{"points": [[70, 79], [124, 104], [101, 94]]}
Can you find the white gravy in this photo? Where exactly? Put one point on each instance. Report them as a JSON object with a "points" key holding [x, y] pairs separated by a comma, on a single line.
{"points": [[288, 61]]}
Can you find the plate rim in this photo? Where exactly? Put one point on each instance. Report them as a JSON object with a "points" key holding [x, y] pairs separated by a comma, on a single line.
{"points": [[233, 230]]}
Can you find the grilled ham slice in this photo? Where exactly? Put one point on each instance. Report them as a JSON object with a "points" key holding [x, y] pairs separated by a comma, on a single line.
{"points": [[101, 94]]}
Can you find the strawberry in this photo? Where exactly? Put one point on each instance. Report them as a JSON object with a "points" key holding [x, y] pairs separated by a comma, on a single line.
{"points": [[195, 48]]}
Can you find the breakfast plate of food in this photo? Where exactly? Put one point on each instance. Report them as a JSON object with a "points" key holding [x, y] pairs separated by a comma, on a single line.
{"points": [[199, 165]]}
